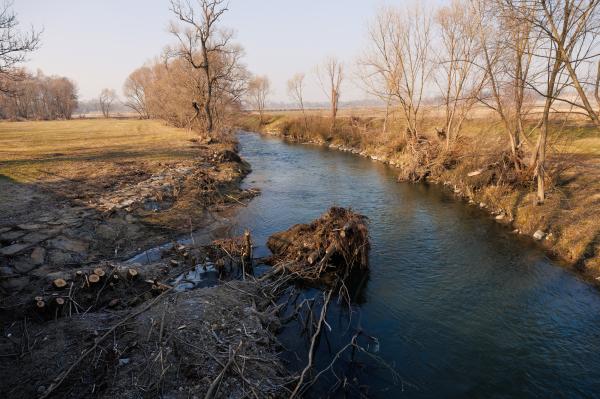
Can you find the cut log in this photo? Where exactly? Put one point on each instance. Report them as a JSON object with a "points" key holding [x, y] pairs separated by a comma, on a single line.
{"points": [[38, 298], [59, 283], [99, 272], [314, 257], [40, 305], [247, 245], [346, 230], [59, 301], [132, 274], [174, 263], [93, 278], [476, 172]]}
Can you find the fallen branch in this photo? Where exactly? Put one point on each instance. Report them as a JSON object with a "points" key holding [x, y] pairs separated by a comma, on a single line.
{"points": [[213, 387], [312, 345]]}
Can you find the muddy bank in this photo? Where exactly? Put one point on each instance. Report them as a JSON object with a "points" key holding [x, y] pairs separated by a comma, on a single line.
{"points": [[177, 344], [110, 213], [564, 226]]}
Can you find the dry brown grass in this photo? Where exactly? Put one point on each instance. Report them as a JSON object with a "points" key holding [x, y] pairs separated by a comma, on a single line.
{"points": [[30, 151]]}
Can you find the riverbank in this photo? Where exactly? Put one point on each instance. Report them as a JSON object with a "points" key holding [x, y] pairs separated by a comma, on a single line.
{"points": [[74, 193], [77, 318], [565, 225]]}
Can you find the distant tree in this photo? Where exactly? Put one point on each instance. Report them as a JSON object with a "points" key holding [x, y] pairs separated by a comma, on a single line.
{"points": [[134, 90], [258, 90], [106, 100], [331, 76], [460, 79], [397, 64], [14, 46], [38, 97], [295, 88]]}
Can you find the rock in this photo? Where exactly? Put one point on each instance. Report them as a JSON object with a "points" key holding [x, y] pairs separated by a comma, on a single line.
{"points": [[38, 255], [539, 235], [14, 249], [6, 271], [68, 244], [24, 266], [106, 232], [15, 284], [31, 226], [36, 237], [11, 235], [60, 258]]}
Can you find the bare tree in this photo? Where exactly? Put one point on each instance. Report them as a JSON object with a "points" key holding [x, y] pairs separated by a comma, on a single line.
{"points": [[258, 90], [568, 31], [397, 65], [14, 45], [202, 44], [106, 100], [572, 26], [295, 88], [331, 76], [134, 90], [508, 44], [460, 79]]}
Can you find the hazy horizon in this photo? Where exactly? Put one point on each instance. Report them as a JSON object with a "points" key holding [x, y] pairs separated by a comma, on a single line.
{"points": [[98, 44]]}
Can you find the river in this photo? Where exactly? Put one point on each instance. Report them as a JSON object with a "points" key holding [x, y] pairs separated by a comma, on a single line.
{"points": [[461, 307]]}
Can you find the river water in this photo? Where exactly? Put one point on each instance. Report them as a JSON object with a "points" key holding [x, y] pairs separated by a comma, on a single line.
{"points": [[461, 307]]}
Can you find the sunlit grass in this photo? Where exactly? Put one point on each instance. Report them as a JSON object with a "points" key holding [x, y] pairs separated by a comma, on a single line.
{"points": [[29, 150]]}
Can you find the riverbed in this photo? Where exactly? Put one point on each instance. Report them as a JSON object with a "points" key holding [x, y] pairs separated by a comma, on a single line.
{"points": [[461, 306]]}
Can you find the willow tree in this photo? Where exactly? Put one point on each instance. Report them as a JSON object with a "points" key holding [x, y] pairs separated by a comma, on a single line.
{"points": [[295, 89], [258, 89], [203, 45], [397, 63], [460, 79], [331, 76]]}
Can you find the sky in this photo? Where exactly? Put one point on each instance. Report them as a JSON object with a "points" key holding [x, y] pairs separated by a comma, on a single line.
{"points": [[97, 43]]}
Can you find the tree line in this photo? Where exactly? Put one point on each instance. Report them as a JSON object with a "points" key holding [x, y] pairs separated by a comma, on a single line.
{"points": [[38, 97], [529, 62], [526, 61], [24, 95]]}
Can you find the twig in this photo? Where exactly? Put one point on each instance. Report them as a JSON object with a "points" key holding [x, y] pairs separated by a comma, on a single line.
{"points": [[213, 387], [61, 377], [312, 345]]}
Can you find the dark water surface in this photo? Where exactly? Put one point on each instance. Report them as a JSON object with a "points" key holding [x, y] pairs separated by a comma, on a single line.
{"points": [[461, 307]]}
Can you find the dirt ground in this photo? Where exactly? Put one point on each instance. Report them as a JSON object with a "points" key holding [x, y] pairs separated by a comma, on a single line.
{"points": [[104, 197]]}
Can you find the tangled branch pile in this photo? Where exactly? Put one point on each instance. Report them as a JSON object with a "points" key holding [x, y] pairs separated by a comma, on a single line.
{"points": [[337, 242]]}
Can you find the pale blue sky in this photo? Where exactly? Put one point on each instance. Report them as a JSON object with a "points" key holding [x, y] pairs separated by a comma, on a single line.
{"points": [[99, 42]]}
